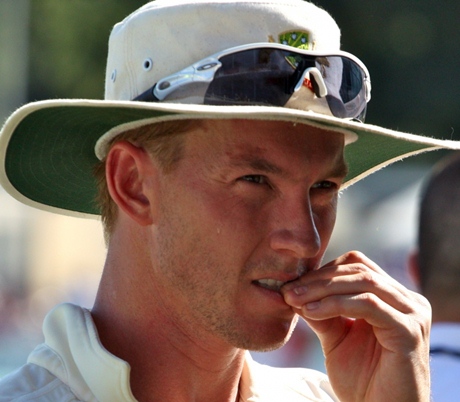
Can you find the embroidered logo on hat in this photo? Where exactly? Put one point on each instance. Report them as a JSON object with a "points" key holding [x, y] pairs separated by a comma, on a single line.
{"points": [[298, 39]]}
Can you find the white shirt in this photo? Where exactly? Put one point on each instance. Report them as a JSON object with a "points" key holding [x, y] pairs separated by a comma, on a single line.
{"points": [[73, 366], [445, 366]]}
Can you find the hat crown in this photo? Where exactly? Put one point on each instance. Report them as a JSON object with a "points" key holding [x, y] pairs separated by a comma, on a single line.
{"points": [[165, 36]]}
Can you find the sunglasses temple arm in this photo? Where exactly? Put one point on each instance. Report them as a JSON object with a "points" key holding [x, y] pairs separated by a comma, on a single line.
{"points": [[203, 71], [147, 96]]}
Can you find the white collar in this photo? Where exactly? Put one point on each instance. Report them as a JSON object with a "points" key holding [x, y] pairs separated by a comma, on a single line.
{"points": [[74, 353]]}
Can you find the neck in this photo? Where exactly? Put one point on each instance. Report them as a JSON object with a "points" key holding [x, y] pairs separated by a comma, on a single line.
{"points": [[169, 361]]}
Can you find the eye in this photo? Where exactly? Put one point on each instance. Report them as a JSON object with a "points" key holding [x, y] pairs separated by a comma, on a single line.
{"points": [[255, 178], [326, 185]]}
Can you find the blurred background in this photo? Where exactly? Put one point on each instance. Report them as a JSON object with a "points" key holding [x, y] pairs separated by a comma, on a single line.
{"points": [[57, 49]]}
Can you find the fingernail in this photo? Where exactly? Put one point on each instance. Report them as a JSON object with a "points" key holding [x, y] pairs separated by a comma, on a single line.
{"points": [[313, 305], [301, 290]]}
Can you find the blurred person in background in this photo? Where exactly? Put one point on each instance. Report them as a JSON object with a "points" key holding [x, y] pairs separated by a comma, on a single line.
{"points": [[227, 130], [435, 268]]}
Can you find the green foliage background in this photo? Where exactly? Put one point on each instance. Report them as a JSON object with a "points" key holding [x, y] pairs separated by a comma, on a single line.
{"points": [[68, 43]]}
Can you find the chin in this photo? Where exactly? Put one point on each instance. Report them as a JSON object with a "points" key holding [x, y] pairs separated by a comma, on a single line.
{"points": [[266, 339], [269, 347]]}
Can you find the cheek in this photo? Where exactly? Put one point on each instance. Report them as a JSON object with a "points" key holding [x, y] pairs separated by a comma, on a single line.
{"points": [[212, 221], [325, 217], [210, 225], [225, 212]]}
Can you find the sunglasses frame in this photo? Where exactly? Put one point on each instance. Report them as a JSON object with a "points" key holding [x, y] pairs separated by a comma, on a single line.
{"points": [[203, 71]]}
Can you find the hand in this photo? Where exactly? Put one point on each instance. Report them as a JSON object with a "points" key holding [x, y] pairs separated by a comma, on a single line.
{"points": [[374, 332]]}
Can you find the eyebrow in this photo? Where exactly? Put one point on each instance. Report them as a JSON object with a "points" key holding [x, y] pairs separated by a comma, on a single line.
{"points": [[259, 164], [339, 169], [263, 165]]}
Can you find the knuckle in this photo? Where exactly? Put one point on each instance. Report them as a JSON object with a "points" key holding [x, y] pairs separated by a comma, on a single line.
{"points": [[355, 255], [421, 305], [369, 278], [418, 328], [423, 311], [367, 301], [371, 300], [424, 302]]}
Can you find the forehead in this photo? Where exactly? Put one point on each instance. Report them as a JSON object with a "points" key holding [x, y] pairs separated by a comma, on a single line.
{"points": [[239, 141]]}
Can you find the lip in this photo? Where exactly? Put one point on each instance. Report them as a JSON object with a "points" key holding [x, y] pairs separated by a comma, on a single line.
{"points": [[269, 294], [280, 277], [272, 284], [270, 301], [268, 287]]}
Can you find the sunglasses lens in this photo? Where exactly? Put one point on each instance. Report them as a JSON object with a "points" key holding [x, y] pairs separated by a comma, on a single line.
{"points": [[256, 76], [268, 76]]}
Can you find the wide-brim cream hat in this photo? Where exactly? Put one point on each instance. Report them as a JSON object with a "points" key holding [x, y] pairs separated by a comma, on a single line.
{"points": [[48, 149]]}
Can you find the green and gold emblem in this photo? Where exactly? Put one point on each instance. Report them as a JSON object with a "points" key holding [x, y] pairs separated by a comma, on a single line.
{"points": [[298, 39]]}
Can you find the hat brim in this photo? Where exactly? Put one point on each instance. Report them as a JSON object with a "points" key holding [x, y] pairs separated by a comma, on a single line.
{"points": [[47, 148]]}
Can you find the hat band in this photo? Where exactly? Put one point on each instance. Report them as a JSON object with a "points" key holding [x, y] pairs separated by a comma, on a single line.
{"points": [[271, 75]]}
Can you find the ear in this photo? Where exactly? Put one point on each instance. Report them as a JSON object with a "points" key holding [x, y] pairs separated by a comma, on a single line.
{"points": [[130, 174], [413, 267]]}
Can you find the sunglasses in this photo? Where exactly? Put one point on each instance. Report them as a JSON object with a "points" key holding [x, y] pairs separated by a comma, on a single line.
{"points": [[272, 75]]}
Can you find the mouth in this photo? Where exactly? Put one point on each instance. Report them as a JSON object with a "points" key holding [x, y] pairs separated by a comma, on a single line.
{"points": [[279, 279], [271, 284]]}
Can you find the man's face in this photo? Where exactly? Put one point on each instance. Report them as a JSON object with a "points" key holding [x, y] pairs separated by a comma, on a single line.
{"points": [[251, 205]]}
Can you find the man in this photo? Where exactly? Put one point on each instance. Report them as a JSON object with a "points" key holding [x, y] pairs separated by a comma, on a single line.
{"points": [[227, 130], [435, 268]]}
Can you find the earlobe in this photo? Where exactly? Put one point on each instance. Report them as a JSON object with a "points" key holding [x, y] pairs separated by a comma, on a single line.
{"points": [[129, 171]]}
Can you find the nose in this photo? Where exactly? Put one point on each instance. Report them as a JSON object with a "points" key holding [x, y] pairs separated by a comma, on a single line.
{"points": [[295, 230]]}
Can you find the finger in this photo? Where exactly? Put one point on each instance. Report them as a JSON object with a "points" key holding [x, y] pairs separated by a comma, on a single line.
{"points": [[349, 281], [352, 273], [392, 328], [331, 332], [334, 325], [357, 260]]}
